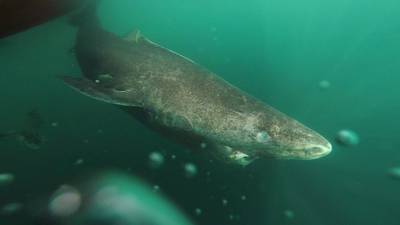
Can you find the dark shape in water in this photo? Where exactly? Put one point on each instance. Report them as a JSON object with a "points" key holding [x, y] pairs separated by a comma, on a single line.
{"points": [[19, 15], [31, 139], [29, 135], [8, 134], [182, 100]]}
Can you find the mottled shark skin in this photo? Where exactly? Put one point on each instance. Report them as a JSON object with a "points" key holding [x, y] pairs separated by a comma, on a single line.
{"points": [[183, 100]]}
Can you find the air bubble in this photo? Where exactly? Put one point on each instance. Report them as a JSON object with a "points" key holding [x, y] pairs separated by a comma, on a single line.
{"points": [[324, 84], [79, 161], [156, 160], [198, 211], [289, 214], [6, 178], [65, 201], [11, 208], [190, 170], [347, 138], [394, 173], [203, 145]]}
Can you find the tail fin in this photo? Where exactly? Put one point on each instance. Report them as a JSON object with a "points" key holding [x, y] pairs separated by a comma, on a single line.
{"points": [[86, 16]]}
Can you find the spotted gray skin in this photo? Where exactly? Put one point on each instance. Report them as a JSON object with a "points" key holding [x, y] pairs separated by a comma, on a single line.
{"points": [[186, 101]]}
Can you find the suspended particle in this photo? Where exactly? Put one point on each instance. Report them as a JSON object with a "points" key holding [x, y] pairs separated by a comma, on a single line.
{"points": [[65, 201], [394, 173], [203, 145], [11, 208], [324, 84], [289, 214], [6, 178], [156, 160], [79, 161], [156, 188], [198, 211], [224, 202], [347, 138], [54, 124], [243, 197], [190, 170], [173, 157]]}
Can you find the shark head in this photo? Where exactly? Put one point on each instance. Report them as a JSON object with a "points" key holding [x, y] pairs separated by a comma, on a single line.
{"points": [[271, 134], [285, 138]]}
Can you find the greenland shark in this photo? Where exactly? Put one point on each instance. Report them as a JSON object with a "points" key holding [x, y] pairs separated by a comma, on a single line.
{"points": [[181, 99]]}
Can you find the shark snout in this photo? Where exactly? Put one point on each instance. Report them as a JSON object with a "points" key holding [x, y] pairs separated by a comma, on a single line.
{"points": [[317, 151]]}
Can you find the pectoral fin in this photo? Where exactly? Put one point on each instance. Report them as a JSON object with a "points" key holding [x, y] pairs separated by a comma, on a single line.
{"points": [[100, 92], [234, 156]]}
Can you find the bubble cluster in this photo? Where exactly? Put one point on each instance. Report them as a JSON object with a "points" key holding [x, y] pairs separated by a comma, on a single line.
{"points": [[111, 198]]}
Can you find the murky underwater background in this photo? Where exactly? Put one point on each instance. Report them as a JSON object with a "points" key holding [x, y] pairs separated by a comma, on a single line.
{"points": [[278, 51]]}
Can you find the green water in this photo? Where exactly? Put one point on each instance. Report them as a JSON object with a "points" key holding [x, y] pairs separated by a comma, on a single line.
{"points": [[278, 51]]}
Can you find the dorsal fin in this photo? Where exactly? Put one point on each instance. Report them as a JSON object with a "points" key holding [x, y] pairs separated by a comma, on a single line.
{"points": [[134, 36]]}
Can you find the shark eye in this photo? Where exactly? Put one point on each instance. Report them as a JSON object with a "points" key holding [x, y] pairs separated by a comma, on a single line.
{"points": [[262, 137]]}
